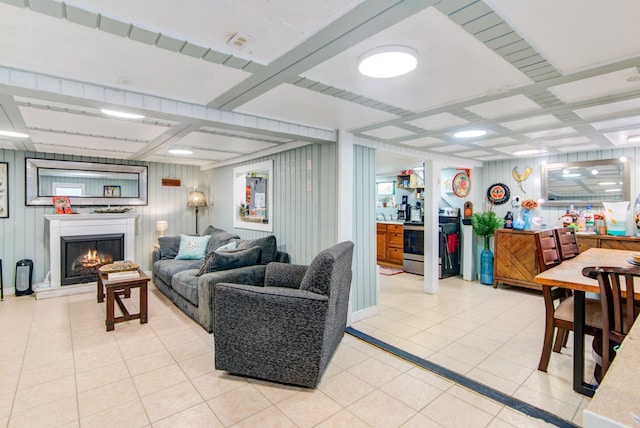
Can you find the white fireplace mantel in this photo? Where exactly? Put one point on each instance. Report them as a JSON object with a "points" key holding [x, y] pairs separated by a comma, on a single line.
{"points": [[63, 225]]}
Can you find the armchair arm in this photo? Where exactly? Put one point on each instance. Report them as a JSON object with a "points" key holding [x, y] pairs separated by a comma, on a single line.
{"points": [[284, 275]]}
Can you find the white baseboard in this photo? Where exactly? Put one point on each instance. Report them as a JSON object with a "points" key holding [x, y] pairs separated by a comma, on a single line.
{"points": [[365, 313], [65, 290]]}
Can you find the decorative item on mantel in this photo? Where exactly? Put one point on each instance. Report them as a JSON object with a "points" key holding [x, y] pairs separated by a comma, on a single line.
{"points": [[527, 206], [485, 224]]}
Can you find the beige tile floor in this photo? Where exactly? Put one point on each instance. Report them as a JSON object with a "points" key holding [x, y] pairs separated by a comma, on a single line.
{"points": [[60, 368], [493, 336]]}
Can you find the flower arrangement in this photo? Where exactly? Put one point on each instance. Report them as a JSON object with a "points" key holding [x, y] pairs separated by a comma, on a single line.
{"points": [[243, 211], [529, 203]]}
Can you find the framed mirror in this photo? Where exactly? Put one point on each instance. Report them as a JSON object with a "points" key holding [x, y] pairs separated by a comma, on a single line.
{"points": [[85, 183], [586, 182], [253, 196]]}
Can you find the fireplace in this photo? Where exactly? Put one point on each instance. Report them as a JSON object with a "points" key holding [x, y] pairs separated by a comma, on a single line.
{"points": [[82, 256]]}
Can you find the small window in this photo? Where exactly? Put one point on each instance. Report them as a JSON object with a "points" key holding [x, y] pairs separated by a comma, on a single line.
{"points": [[68, 189], [386, 188]]}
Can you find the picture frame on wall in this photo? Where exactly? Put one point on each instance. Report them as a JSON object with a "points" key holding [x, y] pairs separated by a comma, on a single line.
{"points": [[111, 191], [4, 190]]}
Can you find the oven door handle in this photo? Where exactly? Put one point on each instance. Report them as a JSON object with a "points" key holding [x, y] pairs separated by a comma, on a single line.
{"points": [[414, 228]]}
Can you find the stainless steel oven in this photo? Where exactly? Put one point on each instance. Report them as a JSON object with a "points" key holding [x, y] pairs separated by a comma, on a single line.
{"points": [[413, 257]]}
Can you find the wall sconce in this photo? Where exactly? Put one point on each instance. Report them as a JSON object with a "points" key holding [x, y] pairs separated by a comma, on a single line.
{"points": [[196, 199], [162, 226]]}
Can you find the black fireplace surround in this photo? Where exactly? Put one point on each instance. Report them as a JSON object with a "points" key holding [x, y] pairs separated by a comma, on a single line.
{"points": [[81, 256]]}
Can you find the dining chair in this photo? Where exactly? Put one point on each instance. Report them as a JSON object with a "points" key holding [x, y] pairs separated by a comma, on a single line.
{"points": [[567, 243], [558, 302], [618, 312]]}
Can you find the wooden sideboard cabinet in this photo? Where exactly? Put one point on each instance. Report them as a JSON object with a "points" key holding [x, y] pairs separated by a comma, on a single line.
{"points": [[389, 244], [515, 261]]}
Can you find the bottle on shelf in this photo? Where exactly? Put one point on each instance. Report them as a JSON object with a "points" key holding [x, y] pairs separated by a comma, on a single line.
{"points": [[589, 219]]}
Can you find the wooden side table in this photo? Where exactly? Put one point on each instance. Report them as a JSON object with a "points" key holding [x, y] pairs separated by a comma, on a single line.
{"points": [[118, 288]]}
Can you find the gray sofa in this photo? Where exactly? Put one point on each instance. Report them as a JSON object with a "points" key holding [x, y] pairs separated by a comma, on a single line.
{"points": [[193, 293], [287, 330]]}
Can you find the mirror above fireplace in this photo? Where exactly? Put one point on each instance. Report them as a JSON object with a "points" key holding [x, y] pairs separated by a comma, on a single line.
{"points": [[85, 183]]}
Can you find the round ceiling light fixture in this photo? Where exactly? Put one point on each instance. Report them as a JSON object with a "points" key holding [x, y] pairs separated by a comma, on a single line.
{"points": [[470, 133], [634, 139], [180, 151], [529, 152], [388, 61], [13, 134], [121, 114]]}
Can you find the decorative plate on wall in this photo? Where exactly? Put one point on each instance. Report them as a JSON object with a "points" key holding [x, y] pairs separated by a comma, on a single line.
{"points": [[498, 193], [461, 185]]}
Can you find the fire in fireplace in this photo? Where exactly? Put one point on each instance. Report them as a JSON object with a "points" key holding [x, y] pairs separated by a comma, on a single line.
{"points": [[83, 255]]}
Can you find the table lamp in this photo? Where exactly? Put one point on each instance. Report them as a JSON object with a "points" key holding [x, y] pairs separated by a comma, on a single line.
{"points": [[196, 199], [162, 226]]}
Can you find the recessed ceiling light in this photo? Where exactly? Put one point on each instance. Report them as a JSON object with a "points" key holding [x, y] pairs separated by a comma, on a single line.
{"points": [[529, 152], [388, 61], [13, 134], [613, 190], [607, 183], [633, 139], [570, 175], [180, 151], [122, 114], [594, 172], [470, 133]]}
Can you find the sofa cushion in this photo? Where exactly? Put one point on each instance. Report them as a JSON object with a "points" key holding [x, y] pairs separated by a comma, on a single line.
{"points": [[267, 244], [192, 247], [223, 260], [169, 247], [166, 269], [185, 283], [219, 237], [227, 247]]}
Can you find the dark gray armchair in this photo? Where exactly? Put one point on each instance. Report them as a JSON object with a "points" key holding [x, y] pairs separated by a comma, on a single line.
{"points": [[287, 330]]}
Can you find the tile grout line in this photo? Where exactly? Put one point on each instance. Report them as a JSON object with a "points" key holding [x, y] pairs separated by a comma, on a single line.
{"points": [[464, 381]]}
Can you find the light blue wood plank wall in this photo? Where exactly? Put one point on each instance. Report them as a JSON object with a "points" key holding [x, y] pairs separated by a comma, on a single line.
{"points": [[364, 289], [304, 222], [22, 235]]}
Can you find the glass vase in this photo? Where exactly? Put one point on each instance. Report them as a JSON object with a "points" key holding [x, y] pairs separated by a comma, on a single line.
{"points": [[526, 217], [486, 264]]}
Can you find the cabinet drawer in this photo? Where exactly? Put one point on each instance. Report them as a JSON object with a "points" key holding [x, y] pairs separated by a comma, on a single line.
{"points": [[395, 255], [381, 227], [395, 228], [396, 240]]}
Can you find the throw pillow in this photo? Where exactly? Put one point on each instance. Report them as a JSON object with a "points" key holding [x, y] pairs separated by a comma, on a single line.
{"points": [[268, 246], [223, 260], [220, 237], [226, 247], [192, 247], [169, 247]]}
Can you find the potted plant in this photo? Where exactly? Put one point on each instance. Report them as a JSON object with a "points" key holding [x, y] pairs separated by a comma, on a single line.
{"points": [[485, 224]]}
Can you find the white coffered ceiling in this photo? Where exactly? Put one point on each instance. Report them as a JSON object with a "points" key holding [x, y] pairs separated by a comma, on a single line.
{"points": [[561, 76]]}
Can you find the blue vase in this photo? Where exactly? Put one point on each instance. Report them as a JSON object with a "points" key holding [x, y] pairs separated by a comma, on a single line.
{"points": [[486, 264], [526, 216]]}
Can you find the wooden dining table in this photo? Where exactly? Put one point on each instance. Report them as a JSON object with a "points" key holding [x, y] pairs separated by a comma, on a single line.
{"points": [[568, 274]]}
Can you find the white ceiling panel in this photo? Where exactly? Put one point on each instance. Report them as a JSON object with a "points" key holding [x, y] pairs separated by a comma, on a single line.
{"points": [[597, 111], [99, 126], [533, 122], [617, 123], [575, 34], [224, 143], [551, 133], [458, 148], [443, 73], [572, 149], [599, 86], [423, 142], [576, 142], [81, 53], [273, 27], [439, 121], [620, 138], [492, 142], [389, 132], [504, 107], [312, 108], [86, 142]]}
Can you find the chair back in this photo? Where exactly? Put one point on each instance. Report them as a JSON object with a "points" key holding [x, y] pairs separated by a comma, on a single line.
{"points": [[567, 243], [618, 312], [547, 249]]}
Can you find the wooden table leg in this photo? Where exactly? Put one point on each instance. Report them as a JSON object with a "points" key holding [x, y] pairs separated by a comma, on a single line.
{"points": [[100, 288], [110, 316], [143, 303], [579, 385]]}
